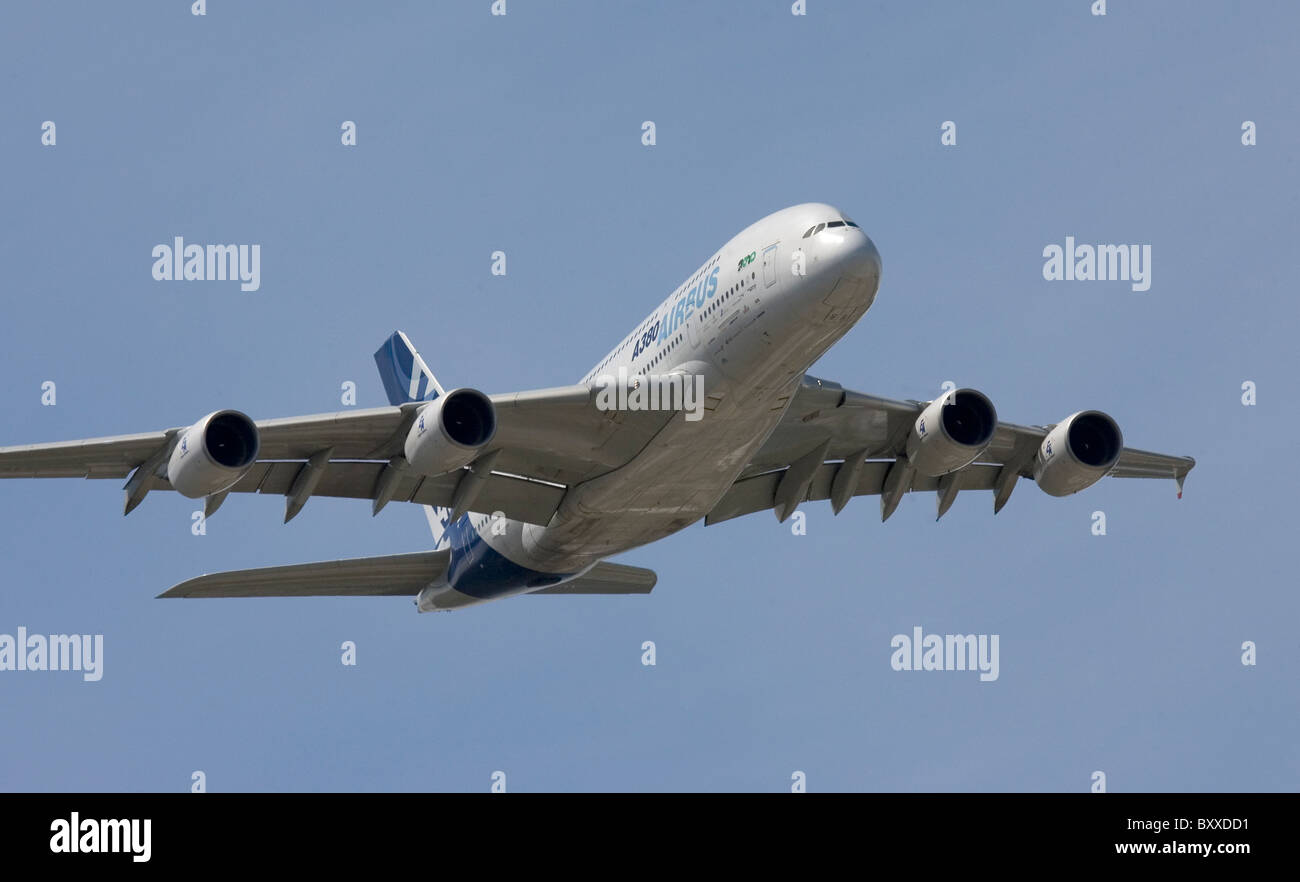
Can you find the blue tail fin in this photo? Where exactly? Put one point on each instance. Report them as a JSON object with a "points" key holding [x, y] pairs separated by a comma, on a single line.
{"points": [[406, 377], [439, 525]]}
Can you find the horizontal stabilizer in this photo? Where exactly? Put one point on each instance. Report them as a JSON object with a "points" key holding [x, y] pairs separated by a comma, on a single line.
{"points": [[608, 578], [390, 575]]}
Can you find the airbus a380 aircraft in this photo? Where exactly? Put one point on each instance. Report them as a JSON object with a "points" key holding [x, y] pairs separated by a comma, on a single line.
{"points": [[570, 482]]}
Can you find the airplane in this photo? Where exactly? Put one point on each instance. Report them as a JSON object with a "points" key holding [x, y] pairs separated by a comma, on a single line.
{"points": [[530, 492]]}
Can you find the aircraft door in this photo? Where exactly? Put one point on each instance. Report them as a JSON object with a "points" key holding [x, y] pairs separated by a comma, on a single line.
{"points": [[770, 274]]}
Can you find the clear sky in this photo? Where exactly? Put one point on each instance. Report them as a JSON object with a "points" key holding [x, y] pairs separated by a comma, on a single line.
{"points": [[1118, 653]]}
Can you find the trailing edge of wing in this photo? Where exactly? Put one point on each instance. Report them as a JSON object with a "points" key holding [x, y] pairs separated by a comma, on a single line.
{"points": [[390, 575], [1145, 464], [759, 492]]}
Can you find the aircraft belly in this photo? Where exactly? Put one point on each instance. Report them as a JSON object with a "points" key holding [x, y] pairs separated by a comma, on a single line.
{"points": [[674, 482], [688, 466]]}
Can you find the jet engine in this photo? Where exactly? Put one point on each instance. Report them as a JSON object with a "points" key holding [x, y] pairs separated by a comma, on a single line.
{"points": [[1077, 453], [213, 454], [951, 432], [450, 431]]}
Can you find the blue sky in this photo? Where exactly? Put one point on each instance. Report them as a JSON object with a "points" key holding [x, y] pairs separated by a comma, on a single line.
{"points": [[1118, 653]]}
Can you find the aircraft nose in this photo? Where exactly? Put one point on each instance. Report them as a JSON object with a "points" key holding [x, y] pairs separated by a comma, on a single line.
{"points": [[852, 253], [862, 259], [845, 260]]}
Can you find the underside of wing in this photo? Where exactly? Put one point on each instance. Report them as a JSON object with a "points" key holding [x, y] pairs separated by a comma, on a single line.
{"points": [[113, 457], [760, 492], [545, 441], [836, 444]]}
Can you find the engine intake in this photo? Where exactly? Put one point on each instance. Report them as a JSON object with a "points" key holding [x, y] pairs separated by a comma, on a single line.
{"points": [[213, 454], [450, 431], [951, 432], [1077, 453]]}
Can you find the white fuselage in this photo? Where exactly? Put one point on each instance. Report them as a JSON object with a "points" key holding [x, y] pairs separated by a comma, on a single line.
{"points": [[751, 320]]}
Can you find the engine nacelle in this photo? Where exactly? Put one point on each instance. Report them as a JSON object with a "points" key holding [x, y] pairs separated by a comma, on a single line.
{"points": [[1077, 453], [450, 431], [951, 432], [213, 454]]}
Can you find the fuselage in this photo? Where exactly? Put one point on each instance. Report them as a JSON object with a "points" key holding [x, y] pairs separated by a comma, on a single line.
{"points": [[751, 320]]}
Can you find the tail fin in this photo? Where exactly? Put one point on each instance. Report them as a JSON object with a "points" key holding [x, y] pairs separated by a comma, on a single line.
{"points": [[407, 379], [405, 375], [439, 519]]}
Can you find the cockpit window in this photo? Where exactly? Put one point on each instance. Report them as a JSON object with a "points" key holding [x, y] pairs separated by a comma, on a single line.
{"points": [[813, 231]]}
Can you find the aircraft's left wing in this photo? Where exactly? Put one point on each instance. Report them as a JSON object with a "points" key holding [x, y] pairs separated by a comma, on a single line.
{"points": [[836, 444], [545, 441]]}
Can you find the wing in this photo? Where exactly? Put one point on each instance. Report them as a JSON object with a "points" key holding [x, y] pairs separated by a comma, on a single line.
{"points": [[546, 441], [835, 444]]}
